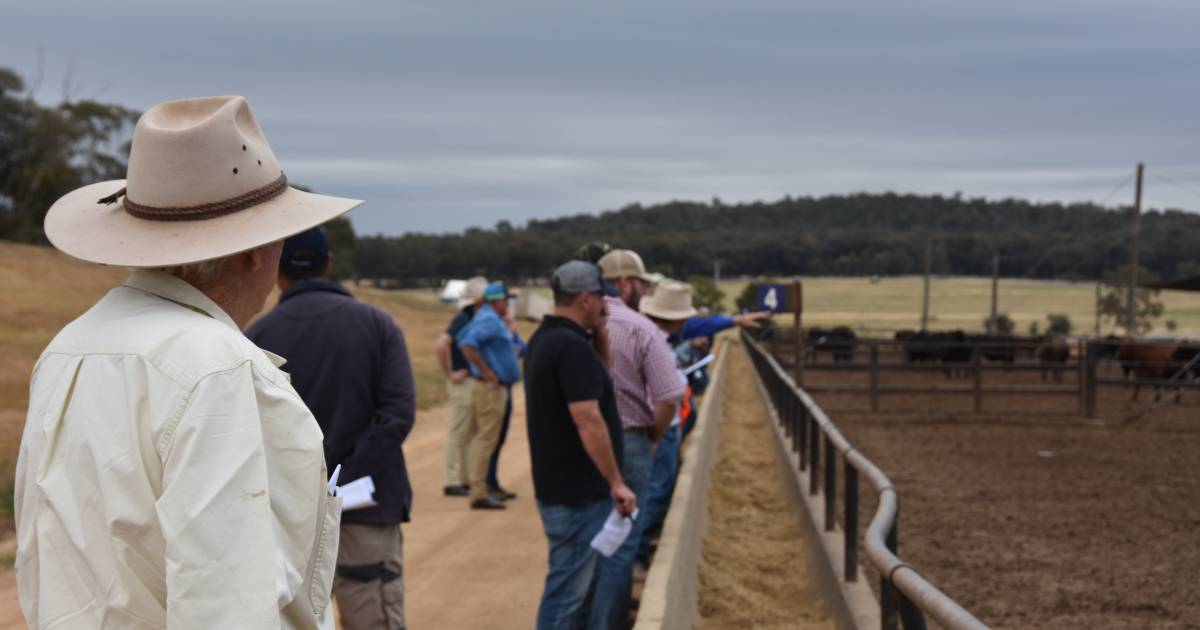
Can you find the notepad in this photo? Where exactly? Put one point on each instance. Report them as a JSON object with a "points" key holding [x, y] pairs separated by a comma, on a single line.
{"points": [[357, 494], [616, 529]]}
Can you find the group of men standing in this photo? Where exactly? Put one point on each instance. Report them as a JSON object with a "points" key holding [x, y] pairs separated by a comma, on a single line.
{"points": [[172, 474], [602, 390]]}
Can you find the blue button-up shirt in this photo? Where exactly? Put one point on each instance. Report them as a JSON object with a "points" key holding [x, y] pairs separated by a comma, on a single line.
{"points": [[488, 334]]}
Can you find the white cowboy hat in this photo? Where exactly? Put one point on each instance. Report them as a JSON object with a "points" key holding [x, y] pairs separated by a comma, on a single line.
{"points": [[671, 301], [202, 183]]}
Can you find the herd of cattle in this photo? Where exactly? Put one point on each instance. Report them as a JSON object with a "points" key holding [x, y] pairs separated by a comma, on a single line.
{"points": [[955, 350]]}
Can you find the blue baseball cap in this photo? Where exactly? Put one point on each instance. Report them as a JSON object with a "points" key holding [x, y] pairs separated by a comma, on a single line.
{"points": [[495, 292], [305, 251]]}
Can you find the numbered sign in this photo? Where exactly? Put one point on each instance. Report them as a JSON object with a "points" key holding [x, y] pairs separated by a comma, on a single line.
{"points": [[776, 298]]}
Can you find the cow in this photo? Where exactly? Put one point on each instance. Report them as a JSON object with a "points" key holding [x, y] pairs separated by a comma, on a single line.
{"points": [[1187, 362], [1053, 353], [839, 341], [997, 348], [1148, 360], [937, 347]]}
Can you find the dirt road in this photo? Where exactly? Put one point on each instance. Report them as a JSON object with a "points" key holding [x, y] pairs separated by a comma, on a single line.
{"points": [[463, 568]]}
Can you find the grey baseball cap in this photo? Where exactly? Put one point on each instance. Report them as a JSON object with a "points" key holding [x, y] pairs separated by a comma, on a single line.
{"points": [[578, 276]]}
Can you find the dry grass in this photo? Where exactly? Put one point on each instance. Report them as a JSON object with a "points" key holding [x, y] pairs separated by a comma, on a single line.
{"points": [[957, 302]]}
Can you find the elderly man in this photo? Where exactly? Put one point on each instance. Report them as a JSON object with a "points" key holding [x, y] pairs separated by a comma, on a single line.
{"points": [[349, 363], [457, 371], [648, 392], [169, 475], [488, 345]]}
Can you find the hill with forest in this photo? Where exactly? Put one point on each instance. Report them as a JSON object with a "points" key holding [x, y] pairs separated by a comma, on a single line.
{"points": [[858, 234]]}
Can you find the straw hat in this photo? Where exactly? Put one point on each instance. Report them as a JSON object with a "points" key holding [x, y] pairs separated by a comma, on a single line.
{"points": [[671, 301], [202, 183]]}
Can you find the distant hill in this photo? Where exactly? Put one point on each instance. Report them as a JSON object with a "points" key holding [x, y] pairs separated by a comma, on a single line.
{"points": [[860, 234]]}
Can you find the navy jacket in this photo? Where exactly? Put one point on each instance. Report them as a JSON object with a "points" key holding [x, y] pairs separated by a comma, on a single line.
{"points": [[349, 363]]}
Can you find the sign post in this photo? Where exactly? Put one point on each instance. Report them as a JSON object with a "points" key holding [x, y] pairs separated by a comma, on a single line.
{"points": [[783, 298], [797, 330]]}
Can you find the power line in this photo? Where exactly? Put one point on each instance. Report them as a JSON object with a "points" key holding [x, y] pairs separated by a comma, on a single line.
{"points": [[1122, 185], [1179, 185]]}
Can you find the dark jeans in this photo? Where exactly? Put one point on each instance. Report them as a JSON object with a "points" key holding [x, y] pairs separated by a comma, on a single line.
{"points": [[492, 482], [569, 530], [614, 575], [657, 498]]}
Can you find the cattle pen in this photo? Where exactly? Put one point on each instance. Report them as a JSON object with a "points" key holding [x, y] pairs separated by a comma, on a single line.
{"points": [[884, 371]]}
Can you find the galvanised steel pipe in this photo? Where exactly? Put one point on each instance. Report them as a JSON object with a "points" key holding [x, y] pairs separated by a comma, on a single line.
{"points": [[920, 592]]}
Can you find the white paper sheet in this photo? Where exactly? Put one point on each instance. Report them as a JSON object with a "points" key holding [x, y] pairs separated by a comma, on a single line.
{"points": [[699, 364], [357, 494], [616, 529]]}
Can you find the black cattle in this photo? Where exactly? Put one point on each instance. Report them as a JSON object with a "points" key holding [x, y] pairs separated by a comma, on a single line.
{"points": [[1109, 347], [1053, 353], [839, 341], [1186, 359], [998, 348], [947, 347]]}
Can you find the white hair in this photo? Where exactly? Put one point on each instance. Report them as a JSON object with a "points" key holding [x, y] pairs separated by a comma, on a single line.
{"points": [[200, 273]]}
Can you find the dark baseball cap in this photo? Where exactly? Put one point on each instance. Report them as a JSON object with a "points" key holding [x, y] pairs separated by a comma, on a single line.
{"points": [[578, 276], [305, 251]]}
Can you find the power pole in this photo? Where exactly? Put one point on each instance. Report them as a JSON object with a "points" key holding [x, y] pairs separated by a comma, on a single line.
{"points": [[925, 298], [717, 273], [1131, 313], [1097, 308], [991, 327]]}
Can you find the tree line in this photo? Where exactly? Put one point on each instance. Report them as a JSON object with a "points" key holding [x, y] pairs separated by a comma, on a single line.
{"points": [[857, 234]]}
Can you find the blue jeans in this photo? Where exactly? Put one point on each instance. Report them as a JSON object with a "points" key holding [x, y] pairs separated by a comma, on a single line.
{"points": [[657, 498], [614, 575], [570, 530]]}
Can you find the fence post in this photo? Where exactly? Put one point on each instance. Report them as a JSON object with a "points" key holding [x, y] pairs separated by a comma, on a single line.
{"points": [[830, 485], [814, 456], [874, 377], [802, 430], [1090, 381], [1081, 374], [850, 538], [977, 370]]}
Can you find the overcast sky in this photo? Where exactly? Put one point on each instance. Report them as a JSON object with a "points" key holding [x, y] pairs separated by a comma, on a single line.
{"points": [[445, 114]]}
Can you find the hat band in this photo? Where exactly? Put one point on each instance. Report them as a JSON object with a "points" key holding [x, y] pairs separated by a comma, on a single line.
{"points": [[202, 211]]}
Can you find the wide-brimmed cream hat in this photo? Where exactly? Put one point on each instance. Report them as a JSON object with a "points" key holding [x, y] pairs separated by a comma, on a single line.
{"points": [[202, 183], [472, 291], [623, 263], [672, 301]]}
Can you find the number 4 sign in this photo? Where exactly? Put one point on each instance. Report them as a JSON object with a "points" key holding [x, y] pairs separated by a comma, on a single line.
{"points": [[775, 298]]}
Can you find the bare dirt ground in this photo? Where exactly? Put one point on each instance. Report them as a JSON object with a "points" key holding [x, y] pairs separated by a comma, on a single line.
{"points": [[1032, 516], [752, 574], [463, 568]]}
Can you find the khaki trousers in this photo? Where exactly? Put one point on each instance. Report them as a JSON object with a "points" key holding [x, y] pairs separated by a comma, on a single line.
{"points": [[487, 405], [454, 454], [369, 585]]}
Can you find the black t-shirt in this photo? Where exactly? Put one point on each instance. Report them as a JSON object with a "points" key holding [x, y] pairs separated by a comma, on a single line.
{"points": [[561, 367], [458, 361]]}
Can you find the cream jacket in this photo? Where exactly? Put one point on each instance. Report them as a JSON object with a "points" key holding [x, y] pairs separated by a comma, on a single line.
{"points": [[169, 475]]}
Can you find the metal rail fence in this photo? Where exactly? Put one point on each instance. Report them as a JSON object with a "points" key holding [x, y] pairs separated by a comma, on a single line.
{"points": [[877, 357], [904, 595]]}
